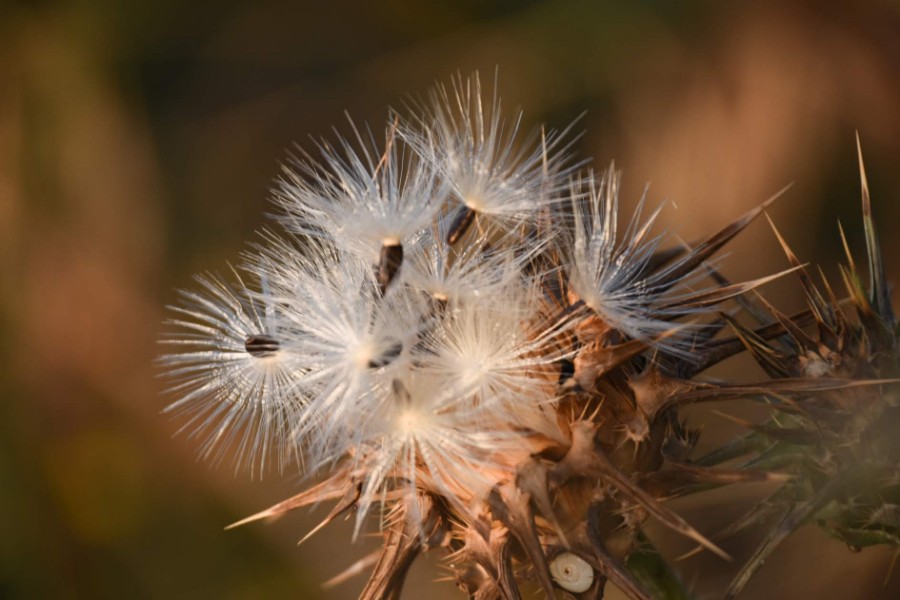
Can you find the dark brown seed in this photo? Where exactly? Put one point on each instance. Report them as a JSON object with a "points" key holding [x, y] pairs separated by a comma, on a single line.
{"points": [[460, 224], [387, 357], [261, 345], [389, 264]]}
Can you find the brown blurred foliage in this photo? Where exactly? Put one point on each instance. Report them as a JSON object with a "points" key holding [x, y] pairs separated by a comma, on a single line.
{"points": [[137, 145]]}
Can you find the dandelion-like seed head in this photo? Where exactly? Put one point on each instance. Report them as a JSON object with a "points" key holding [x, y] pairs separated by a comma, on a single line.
{"points": [[233, 366], [609, 275], [428, 438], [618, 280], [479, 153], [361, 195], [496, 352], [453, 332]]}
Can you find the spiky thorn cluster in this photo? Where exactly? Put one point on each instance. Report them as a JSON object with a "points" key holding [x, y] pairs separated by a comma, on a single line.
{"points": [[454, 332], [840, 445]]}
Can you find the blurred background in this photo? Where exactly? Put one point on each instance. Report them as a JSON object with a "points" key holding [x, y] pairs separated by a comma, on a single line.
{"points": [[138, 142]]}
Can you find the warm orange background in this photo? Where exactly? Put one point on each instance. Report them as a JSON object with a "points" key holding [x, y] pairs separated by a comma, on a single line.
{"points": [[137, 145]]}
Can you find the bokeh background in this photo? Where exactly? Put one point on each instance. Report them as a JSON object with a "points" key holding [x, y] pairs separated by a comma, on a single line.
{"points": [[138, 142]]}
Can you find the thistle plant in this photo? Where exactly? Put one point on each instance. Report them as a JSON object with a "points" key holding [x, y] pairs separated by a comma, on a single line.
{"points": [[839, 444], [458, 337]]}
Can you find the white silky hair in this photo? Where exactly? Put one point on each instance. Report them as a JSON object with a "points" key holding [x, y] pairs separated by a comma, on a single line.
{"points": [[493, 352], [481, 155], [427, 436], [480, 267], [350, 339], [612, 276], [435, 378], [231, 397], [359, 194]]}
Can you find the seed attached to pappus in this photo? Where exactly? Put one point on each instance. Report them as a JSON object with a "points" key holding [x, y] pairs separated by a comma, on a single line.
{"points": [[261, 345], [571, 572], [460, 224], [387, 357], [388, 264]]}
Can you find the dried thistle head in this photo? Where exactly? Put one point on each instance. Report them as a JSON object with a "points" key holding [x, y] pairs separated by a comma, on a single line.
{"points": [[453, 333]]}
